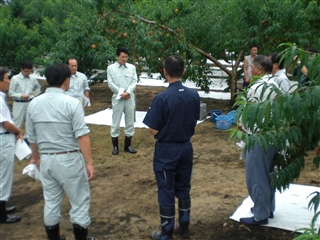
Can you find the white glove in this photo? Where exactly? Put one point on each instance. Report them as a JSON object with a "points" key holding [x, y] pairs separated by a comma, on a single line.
{"points": [[32, 171]]}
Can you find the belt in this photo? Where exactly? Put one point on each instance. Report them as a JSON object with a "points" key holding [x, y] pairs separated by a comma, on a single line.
{"points": [[23, 100], [4, 133], [61, 152]]}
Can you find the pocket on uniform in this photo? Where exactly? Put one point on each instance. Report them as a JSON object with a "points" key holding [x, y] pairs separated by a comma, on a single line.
{"points": [[72, 160], [161, 176]]}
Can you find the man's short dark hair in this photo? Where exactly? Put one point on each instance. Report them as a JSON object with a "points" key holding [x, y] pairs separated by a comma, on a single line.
{"points": [[3, 71], [253, 45], [174, 66], [264, 62], [26, 65], [56, 74], [70, 59], [122, 49], [275, 58]]}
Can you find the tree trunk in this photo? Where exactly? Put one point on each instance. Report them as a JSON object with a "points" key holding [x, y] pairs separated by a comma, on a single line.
{"points": [[234, 78]]}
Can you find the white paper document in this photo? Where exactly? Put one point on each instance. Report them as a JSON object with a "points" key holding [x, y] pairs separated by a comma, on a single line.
{"points": [[121, 90], [22, 150]]}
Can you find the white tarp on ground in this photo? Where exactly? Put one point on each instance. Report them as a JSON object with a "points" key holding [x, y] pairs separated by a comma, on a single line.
{"points": [[216, 84], [105, 118], [291, 208]]}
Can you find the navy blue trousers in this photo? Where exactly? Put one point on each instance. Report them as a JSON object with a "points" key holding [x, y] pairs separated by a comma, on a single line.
{"points": [[172, 165]]}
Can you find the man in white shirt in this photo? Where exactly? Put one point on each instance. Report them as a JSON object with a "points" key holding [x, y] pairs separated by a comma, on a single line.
{"points": [[259, 163], [280, 76]]}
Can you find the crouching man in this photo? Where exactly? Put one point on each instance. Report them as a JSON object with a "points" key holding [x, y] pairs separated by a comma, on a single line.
{"points": [[60, 143]]}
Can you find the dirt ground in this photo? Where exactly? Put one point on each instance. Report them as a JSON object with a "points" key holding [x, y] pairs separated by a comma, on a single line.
{"points": [[124, 192]]}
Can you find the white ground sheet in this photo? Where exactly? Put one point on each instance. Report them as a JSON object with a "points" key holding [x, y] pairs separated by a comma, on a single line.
{"points": [[291, 212], [105, 118]]}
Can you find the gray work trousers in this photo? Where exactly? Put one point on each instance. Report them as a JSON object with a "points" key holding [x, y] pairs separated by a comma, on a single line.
{"points": [[65, 173], [19, 114], [7, 146], [119, 107], [259, 165]]}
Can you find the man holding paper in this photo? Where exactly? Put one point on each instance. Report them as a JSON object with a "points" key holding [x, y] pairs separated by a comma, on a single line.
{"points": [[122, 80], [59, 136], [8, 135]]}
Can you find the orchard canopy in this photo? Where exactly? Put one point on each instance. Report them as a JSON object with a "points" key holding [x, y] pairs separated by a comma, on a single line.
{"points": [[47, 31]]}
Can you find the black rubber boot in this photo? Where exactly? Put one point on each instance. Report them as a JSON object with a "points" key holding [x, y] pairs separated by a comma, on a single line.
{"points": [[184, 217], [3, 212], [79, 232], [167, 225], [53, 232], [127, 145], [115, 150]]}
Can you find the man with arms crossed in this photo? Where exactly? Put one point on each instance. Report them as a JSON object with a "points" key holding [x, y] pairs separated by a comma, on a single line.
{"points": [[8, 135], [172, 118], [59, 137], [247, 65]]}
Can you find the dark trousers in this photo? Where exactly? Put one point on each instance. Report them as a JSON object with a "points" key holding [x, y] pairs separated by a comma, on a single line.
{"points": [[172, 165]]}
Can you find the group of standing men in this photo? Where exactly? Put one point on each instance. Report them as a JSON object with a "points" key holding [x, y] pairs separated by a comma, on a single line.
{"points": [[58, 137], [57, 134]]}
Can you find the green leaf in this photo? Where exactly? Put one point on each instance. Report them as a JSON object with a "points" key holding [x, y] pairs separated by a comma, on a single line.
{"points": [[276, 114]]}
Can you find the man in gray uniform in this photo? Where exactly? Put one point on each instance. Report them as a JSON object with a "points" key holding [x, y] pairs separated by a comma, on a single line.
{"points": [[122, 80], [8, 135], [59, 136], [22, 90], [79, 87]]}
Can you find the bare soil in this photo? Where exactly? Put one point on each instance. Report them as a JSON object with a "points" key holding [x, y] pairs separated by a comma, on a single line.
{"points": [[124, 192]]}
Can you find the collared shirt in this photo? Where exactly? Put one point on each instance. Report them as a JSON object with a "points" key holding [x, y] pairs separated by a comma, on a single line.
{"points": [[282, 80], [255, 92], [122, 76], [55, 121], [174, 113], [78, 85], [21, 85], [4, 112]]}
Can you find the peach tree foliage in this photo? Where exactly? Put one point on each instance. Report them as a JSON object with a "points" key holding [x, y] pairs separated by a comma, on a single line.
{"points": [[90, 30], [203, 30]]}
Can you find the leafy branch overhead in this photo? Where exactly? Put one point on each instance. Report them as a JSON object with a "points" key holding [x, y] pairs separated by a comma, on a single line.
{"points": [[53, 30]]}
